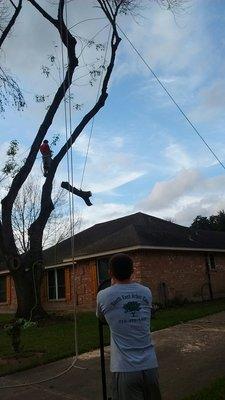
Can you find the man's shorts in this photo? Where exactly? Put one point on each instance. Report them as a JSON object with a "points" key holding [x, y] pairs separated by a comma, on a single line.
{"points": [[137, 385]]}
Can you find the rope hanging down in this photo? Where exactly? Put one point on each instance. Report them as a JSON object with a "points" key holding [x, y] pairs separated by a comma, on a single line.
{"points": [[70, 180], [172, 99], [71, 211], [93, 119]]}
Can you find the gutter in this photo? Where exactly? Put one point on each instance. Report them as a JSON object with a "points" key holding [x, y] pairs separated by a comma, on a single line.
{"points": [[4, 272], [68, 261], [133, 248]]}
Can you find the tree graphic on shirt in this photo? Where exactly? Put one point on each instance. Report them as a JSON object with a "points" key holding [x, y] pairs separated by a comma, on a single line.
{"points": [[132, 307]]}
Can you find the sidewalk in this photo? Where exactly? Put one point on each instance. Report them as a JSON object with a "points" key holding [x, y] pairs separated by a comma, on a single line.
{"points": [[191, 355]]}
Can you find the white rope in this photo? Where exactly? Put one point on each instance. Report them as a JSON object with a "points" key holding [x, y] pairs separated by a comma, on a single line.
{"points": [[71, 212], [93, 119]]}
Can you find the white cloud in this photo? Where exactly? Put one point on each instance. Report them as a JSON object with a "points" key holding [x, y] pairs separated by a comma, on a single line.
{"points": [[184, 197], [211, 102], [176, 154], [102, 212], [167, 192], [108, 165], [163, 42]]}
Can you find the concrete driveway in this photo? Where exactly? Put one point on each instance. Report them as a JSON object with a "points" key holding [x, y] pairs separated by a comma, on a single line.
{"points": [[191, 355]]}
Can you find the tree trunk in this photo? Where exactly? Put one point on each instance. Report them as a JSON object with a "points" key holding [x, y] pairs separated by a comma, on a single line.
{"points": [[28, 280]]}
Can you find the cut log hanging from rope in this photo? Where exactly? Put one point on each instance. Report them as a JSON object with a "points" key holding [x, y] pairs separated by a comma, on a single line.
{"points": [[81, 193]]}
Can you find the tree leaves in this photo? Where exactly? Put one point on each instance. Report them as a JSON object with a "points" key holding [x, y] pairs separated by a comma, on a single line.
{"points": [[213, 222]]}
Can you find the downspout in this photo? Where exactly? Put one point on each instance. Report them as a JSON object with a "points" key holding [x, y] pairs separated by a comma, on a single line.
{"points": [[208, 276]]}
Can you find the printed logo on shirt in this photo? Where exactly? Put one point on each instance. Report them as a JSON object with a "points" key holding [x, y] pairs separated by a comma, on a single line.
{"points": [[128, 297], [132, 307]]}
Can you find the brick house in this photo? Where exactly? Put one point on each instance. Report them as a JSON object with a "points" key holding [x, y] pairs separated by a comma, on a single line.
{"points": [[175, 261]]}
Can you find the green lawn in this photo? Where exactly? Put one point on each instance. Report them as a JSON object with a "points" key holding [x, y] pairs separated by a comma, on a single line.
{"points": [[53, 339], [177, 315], [216, 391]]}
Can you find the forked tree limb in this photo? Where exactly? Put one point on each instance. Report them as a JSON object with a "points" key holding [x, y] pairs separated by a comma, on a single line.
{"points": [[11, 22], [81, 193]]}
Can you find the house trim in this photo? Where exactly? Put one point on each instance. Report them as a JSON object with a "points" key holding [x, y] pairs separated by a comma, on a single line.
{"points": [[69, 261], [63, 264], [132, 248], [4, 272]]}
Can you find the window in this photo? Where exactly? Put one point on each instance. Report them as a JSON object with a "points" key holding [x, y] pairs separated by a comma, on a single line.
{"points": [[102, 268], [56, 284], [3, 289], [211, 261]]}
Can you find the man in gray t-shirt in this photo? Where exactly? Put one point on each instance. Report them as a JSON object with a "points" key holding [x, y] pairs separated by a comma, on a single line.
{"points": [[126, 307]]}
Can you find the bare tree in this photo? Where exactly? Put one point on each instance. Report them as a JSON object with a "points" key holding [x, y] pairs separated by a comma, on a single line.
{"points": [[26, 210], [10, 91], [21, 265], [6, 22]]}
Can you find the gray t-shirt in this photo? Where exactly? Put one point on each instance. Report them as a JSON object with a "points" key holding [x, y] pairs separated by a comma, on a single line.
{"points": [[127, 310]]}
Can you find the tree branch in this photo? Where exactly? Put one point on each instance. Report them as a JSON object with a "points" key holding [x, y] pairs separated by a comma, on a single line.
{"points": [[44, 13], [7, 203], [61, 9], [46, 201], [105, 10], [11, 22], [99, 104], [13, 4], [81, 193], [110, 7], [47, 206]]}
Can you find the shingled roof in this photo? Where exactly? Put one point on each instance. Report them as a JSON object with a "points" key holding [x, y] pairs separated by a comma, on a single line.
{"points": [[132, 232]]}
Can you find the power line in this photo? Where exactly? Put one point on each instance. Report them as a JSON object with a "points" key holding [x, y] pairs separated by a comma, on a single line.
{"points": [[93, 119], [173, 100]]}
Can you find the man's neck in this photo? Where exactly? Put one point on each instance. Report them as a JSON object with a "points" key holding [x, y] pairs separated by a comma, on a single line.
{"points": [[124, 281]]}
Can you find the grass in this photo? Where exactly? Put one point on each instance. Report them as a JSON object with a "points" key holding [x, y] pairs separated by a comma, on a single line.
{"points": [[216, 391], [49, 341], [178, 315], [54, 339]]}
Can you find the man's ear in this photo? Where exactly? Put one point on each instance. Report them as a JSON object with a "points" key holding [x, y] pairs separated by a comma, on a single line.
{"points": [[110, 273]]}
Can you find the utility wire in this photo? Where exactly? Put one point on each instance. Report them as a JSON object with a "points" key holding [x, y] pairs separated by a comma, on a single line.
{"points": [[172, 99], [93, 119]]}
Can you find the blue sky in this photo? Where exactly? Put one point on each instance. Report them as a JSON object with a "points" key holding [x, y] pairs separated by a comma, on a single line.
{"points": [[143, 155]]}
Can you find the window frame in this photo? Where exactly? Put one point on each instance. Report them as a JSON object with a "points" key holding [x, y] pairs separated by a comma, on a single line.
{"points": [[56, 285], [6, 294], [211, 262], [97, 265]]}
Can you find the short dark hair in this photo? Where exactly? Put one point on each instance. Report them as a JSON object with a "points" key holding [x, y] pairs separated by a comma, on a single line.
{"points": [[45, 141], [121, 266]]}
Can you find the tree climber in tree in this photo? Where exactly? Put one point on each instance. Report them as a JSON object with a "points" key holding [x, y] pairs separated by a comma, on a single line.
{"points": [[46, 156], [126, 307]]}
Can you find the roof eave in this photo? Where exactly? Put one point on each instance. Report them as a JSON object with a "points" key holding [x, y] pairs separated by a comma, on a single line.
{"points": [[139, 247]]}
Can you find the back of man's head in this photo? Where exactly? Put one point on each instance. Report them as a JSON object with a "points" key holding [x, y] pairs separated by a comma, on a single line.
{"points": [[121, 266], [45, 141]]}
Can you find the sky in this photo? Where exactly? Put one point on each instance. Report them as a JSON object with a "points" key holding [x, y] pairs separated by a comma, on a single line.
{"points": [[143, 154]]}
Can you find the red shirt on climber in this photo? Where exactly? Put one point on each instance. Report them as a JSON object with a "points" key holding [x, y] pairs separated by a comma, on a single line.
{"points": [[45, 149], [46, 157]]}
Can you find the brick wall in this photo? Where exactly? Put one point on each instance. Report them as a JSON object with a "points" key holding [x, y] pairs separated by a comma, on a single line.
{"points": [[218, 276], [10, 305], [174, 274], [179, 274], [85, 289]]}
